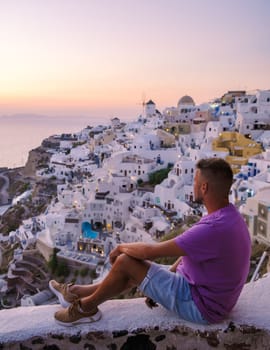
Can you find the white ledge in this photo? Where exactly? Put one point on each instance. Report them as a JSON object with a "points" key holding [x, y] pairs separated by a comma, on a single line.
{"points": [[18, 324]]}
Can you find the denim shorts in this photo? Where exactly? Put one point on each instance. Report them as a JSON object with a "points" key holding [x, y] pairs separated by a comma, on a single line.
{"points": [[172, 291]]}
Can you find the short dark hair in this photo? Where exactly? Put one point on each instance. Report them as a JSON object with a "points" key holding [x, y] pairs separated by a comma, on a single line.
{"points": [[218, 172]]}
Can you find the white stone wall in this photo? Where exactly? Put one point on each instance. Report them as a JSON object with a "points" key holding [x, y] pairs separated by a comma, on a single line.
{"points": [[129, 324]]}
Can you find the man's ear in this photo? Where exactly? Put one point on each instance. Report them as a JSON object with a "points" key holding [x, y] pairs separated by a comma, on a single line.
{"points": [[204, 187]]}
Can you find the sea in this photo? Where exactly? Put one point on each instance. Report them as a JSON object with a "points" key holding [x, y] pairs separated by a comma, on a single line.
{"points": [[21, 133]]}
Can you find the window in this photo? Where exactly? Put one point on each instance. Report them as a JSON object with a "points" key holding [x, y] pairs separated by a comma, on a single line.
{"points": [[263, 211], [262, 228]]}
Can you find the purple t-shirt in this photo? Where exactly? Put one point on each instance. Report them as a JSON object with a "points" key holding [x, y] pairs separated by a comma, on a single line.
{"points": [[216, 264]]}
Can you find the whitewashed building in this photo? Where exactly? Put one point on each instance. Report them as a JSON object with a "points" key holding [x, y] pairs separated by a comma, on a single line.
{"points": [[178, 185], [253, 113], [256, 212]]}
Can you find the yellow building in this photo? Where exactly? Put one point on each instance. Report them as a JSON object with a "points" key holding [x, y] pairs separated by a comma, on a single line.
{"points": [[240, 148]]}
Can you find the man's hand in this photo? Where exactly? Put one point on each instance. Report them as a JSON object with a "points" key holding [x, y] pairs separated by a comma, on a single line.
{"points": [[150, 303], [173, 268], [114, 254]]}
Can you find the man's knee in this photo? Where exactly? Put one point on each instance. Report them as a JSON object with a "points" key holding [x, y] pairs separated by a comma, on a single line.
{"points": [[135, 269], [124, 260]]}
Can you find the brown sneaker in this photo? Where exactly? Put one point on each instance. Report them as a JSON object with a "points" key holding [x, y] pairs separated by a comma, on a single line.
{"points": [[73, 315], [61, 290]]}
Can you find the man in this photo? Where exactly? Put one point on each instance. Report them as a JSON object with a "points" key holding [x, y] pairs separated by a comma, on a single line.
{"points": [[206, 280]]}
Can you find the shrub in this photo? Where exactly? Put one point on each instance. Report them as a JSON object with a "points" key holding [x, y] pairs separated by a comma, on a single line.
{"points": [[53, 262], [84, 272], [62, 270], [157, 177], [139, 182]]}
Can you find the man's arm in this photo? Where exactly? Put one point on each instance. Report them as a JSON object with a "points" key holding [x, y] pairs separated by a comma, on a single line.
{"points": [[150, 251]]}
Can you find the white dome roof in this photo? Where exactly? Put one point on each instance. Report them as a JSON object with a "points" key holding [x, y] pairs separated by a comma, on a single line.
{"points": [[186, 100]]}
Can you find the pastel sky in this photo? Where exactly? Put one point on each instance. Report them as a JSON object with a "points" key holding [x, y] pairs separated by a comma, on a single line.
{"points": [[103, 57]]}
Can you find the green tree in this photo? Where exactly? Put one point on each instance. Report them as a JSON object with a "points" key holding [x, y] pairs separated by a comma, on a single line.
{"points": [[84, 272], [93, 274], [139, 182], [53, 262], [158, 176], [62, 269]]}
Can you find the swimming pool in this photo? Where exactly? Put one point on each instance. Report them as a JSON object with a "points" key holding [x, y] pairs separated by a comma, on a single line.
{"points": [[87, 231]]}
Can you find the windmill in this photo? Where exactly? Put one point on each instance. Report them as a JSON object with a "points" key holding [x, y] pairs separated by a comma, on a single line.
{"points": [[143, 104]]}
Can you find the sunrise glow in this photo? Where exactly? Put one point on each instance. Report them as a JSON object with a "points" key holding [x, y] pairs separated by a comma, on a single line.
{"points": [[104, 57]]}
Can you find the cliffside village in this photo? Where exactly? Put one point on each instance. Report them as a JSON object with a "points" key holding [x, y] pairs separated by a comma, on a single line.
{"points": [[104, 195]]}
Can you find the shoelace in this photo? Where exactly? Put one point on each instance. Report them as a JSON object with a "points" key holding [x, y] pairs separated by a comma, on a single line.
{"points": [[65, 287]]}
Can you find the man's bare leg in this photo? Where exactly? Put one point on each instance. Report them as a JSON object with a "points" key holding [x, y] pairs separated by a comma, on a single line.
{"points": [[86, 290], [126, 272], [83, 290]]}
